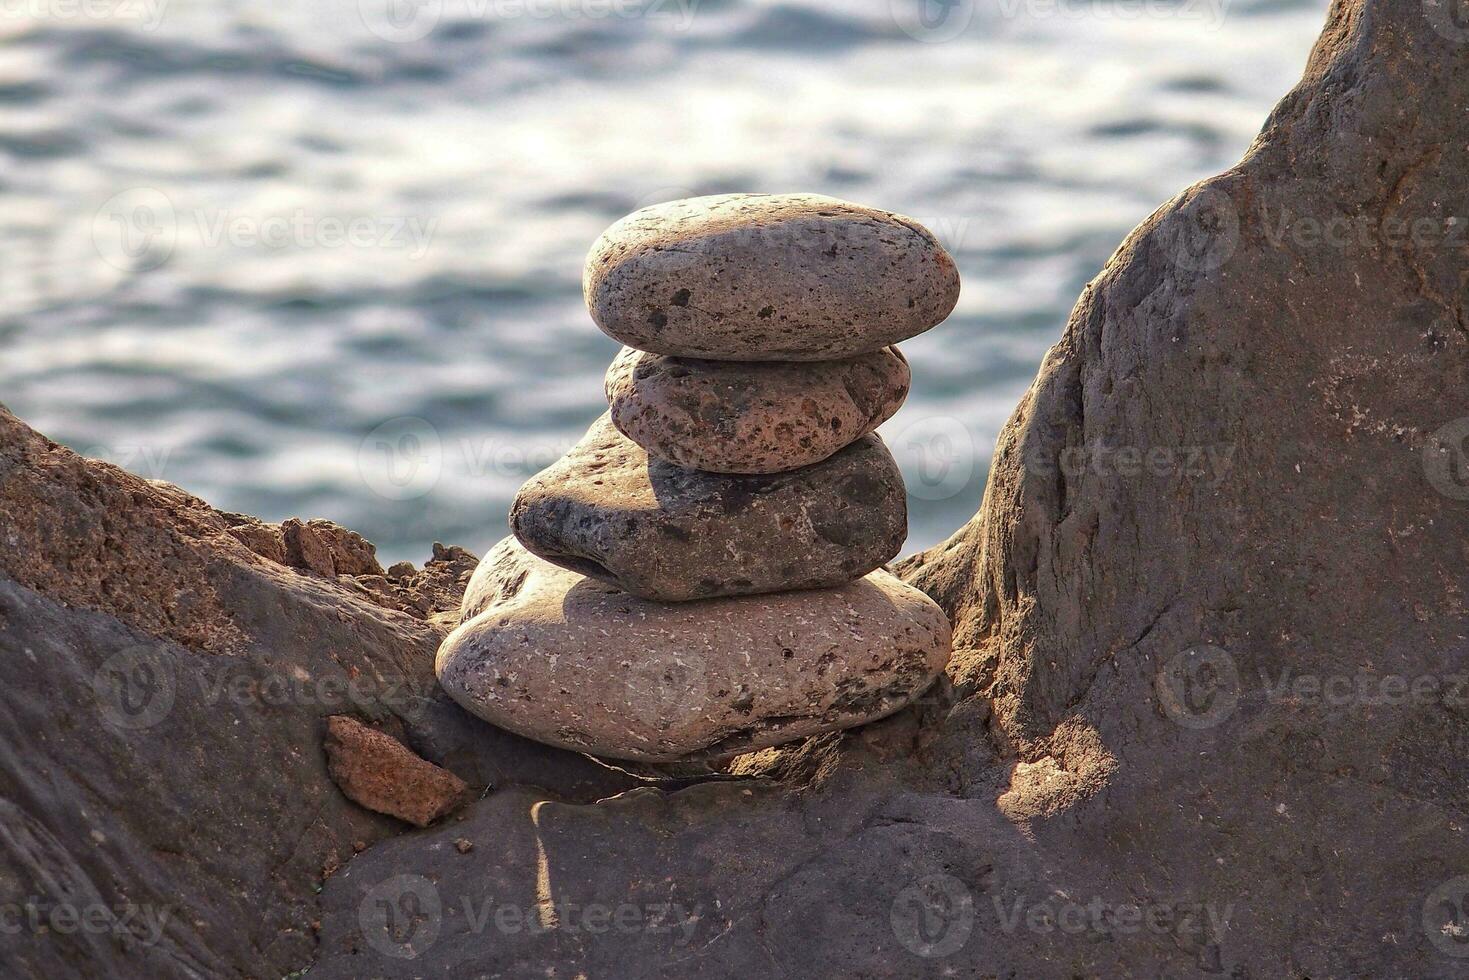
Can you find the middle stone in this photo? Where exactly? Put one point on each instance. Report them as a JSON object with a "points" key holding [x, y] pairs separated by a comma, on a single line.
{"points": [[752, 416], [662, 532]]}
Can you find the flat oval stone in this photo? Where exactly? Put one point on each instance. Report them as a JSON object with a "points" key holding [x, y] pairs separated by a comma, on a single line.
{"points": [[663, 532], [572, 662], [752, 416], [767, 277]]}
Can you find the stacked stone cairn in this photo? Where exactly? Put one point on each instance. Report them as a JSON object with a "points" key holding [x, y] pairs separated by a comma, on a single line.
{"points": [[702, 574]]}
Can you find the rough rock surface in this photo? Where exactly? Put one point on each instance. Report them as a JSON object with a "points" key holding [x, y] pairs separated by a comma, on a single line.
{"points": [[1075, 800], [573, 662], [379, 772], [663, 532], [752, 417], [161, 719], [767, 277], [1089, 798]]}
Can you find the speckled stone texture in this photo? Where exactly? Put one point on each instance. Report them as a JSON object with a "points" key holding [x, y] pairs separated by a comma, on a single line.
{"points": [[767, 277], [571, 661], [752, 417], [663, 532]]}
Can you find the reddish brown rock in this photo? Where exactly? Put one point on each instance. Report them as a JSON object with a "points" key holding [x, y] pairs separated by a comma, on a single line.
{"points": [[326, 548], [263, 539], [382, 774], [752, 416]]}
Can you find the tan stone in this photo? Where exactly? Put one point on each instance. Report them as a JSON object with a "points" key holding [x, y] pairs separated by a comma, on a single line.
{"points": [[752, 416], [767, 277], [663, 532], [571, 661]]}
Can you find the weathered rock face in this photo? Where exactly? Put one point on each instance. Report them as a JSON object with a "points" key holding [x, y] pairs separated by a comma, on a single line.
{"points": [[744, 417], [161, 723], [663, 532], [1270, 649], [767, 277], [571, 661]]}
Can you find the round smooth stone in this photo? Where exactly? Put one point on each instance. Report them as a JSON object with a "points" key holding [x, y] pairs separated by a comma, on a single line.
{"points": [[663, 532], [752, 416], [767, 277], [572, 662]]}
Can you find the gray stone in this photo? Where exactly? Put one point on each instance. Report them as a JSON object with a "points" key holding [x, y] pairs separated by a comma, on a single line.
{"points": [[752, 417], [663, 532], [573, 662], [767, 277]]}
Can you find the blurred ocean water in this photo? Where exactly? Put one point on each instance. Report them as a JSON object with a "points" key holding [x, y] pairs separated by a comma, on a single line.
{"points": [[323, 259]]}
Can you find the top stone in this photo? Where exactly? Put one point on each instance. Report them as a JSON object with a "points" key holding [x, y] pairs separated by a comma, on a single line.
{"points": [[767, 277]]}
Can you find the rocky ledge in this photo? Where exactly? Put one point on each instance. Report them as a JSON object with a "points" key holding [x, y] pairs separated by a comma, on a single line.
{"points": [[1190, 726]]}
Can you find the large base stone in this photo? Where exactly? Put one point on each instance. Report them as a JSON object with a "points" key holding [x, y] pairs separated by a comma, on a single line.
{"points": [[572, 662]]}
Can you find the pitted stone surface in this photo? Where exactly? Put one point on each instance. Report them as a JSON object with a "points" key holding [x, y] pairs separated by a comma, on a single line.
{"points": [[752, 417], [573, 662], [767, 277], [663, 532]]}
